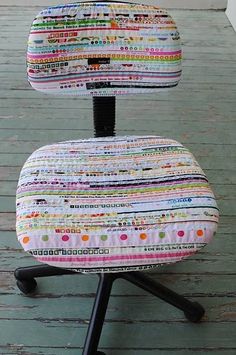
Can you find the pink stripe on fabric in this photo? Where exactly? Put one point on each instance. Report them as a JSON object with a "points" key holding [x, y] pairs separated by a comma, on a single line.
{"points": [[117, 257]]}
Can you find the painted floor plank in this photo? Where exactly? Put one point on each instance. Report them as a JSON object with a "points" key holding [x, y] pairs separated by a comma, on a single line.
{"points": [[223, 309], [77, 286], [23, 350], [72, 333], [207, 134]]}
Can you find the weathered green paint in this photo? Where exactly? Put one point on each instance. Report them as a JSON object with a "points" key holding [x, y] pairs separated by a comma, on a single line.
{"points": [[135, 335], [201, 114], [29, 350], [120, 309], [205, 133]]}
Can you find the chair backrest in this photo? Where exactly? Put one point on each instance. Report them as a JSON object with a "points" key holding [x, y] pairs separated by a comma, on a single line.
{"points": [[103, 49]]}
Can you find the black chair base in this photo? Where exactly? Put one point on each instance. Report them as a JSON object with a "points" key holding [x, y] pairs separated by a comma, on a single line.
{"points": [[26, 283]]}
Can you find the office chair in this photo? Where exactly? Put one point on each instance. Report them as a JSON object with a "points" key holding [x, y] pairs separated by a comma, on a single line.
{"points": [[110, 205]]}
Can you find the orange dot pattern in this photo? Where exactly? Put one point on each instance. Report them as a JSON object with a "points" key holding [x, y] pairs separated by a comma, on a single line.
{"points": [[26, 240], [85, 238]]}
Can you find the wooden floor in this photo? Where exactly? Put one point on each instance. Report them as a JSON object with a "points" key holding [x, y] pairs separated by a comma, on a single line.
{"points": [[201, 113]]}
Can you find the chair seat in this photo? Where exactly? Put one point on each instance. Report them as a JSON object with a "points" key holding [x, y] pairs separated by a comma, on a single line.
{"points": [[114, 203]]}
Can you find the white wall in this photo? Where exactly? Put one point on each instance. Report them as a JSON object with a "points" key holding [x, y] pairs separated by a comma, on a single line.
{"points": [[231, 12], [183, 4], [192, 4]]}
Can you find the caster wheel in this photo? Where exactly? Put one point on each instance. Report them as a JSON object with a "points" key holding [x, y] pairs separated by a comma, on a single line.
{"points": [[26, 286], [197, 314], [100, 353]]}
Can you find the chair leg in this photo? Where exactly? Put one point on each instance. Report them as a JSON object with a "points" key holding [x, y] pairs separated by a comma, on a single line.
{"points": [[98, 314], [193, 311], [25, 276]]}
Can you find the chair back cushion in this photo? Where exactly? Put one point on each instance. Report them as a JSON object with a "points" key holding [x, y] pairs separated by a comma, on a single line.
{"points": [[103, 49]]}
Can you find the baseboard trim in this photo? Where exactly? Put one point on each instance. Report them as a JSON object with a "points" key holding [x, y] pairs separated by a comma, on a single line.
{"points": [[231, 13]]}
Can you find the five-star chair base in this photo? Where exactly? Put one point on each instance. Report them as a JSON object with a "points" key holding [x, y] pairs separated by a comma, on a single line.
{"points": [[26, 282]]}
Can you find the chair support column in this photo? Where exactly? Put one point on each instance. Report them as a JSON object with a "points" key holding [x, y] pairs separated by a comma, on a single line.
{"points": [[104, 111]]}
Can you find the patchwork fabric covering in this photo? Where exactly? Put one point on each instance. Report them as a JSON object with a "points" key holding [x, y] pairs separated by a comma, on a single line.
{"points": [[115, 203], [103, 48]]}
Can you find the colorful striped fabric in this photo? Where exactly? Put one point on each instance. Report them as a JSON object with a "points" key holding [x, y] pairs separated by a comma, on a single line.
{"points": [[103, 48], [115, 203]]}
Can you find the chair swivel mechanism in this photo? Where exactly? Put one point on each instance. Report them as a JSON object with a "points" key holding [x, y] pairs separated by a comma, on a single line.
{"points": [[110, 205]]}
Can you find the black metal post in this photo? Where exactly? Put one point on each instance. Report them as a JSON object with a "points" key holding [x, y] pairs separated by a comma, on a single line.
{"points": [[104, 111], [98, 314]]}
